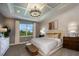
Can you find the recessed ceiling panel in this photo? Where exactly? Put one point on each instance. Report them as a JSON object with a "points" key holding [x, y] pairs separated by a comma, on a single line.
{"points": [[22, 10], [46, 9], [24, 5], [19, 11], [53, 5]]}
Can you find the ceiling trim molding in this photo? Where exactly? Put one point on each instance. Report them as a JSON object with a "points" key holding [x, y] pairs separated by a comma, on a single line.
{"points": [[58, 8], [71, 6]]}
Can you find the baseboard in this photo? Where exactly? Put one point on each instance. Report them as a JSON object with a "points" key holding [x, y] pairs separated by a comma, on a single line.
{"points": [[12, 44], [17, 44]]}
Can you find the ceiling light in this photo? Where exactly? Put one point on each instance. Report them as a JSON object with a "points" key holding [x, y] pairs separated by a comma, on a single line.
{"points": [[35, 12], [18, 11]]}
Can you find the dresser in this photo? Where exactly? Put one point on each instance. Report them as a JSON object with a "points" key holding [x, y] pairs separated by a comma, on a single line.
{"points": [[4, 45], [71, 43]]}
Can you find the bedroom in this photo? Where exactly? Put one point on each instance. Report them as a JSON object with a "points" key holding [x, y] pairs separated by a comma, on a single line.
{"points": [[39, 29]]}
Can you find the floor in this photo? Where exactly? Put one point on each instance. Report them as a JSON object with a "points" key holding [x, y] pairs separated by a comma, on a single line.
{"points": [[19, 50]]}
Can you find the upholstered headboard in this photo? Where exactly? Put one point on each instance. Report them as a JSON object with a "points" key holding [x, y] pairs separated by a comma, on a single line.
{"points": [[54, 34]]}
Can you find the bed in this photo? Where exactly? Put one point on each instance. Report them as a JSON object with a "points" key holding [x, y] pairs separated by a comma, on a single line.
{"points": [[49, 44]]}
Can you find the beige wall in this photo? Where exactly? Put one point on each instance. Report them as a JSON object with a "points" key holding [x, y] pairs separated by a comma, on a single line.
{"points": [[1, 19], [18, 39], [37, 29], [64, 19], [11, 24]]}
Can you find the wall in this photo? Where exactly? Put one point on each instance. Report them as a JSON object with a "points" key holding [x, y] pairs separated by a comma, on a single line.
{"points": [[19, 39], [37, 28], [1, 19], [11, 24], [64, 19]]}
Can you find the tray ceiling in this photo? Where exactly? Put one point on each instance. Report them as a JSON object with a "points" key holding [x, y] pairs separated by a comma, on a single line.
{"points": [[21, 10]]}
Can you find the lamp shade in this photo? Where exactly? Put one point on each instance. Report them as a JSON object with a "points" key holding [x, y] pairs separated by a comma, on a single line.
{"points": [[42, 31], [73, 27], [3, 29]]}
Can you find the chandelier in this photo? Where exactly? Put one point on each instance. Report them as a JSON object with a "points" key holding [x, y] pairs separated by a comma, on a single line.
{"points": [[35, 12]]}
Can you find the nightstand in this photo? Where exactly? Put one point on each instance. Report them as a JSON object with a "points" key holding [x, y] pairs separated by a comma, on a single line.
{"points": [[71, 43]]}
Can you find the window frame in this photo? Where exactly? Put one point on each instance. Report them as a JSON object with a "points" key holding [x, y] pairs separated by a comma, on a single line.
{"points": [[27, 29]]}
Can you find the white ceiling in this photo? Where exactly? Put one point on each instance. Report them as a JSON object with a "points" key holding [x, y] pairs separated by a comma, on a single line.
{"points": [[21, 10]]}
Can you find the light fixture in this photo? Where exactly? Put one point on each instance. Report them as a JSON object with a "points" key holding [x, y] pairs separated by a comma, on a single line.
{"points": [[18, 11], [2, 29], [43, 31], [73, 29], [35, 12]]}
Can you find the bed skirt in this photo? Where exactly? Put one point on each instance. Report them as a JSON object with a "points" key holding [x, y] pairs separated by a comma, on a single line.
{"points": [[51, 52]]}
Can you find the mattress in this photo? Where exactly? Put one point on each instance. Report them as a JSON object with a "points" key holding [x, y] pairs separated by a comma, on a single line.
{"points": [[45, 44]]}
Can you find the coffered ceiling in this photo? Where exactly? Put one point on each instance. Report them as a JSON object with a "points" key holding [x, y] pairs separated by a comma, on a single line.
{"points": [[21, 10]]}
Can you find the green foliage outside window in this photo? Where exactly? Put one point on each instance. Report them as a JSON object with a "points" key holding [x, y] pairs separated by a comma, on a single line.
{"points": [[25, 33], [22, 33]]}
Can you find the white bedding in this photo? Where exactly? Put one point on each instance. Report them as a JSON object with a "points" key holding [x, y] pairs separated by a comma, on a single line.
{"points": [[46, 44]]}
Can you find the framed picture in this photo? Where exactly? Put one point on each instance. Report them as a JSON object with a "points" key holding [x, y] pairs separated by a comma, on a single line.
{"points": [[53, 25]]}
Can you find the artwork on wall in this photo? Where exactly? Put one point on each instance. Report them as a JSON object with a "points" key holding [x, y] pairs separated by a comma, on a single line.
{"points": [[53, 25]]}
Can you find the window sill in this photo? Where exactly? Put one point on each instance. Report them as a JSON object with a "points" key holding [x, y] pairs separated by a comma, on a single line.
{"points": [[26, 36]]}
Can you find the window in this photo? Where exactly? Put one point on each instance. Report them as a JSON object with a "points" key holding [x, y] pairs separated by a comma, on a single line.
{"points": [[26, 30]]}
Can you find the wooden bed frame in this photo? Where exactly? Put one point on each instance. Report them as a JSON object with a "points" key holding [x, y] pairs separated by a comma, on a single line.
{"points": [[58, 33], [50, 35]]}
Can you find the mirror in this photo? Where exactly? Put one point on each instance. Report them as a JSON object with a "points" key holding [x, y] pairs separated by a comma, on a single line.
{"points": [[53, 25]]}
